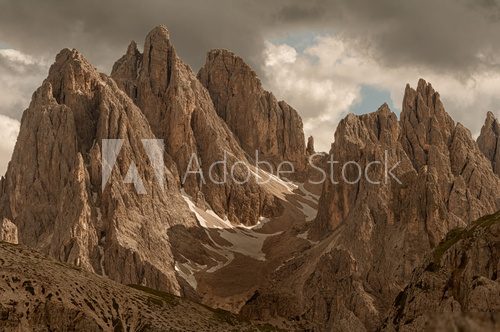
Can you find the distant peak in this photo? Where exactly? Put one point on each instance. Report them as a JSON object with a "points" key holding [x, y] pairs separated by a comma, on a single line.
{"points": [[231, 61], [69, 54], [310, 145], [159, 32], [222, 51], [490, 117], [132, 48], [424, 88], [384, 109]]}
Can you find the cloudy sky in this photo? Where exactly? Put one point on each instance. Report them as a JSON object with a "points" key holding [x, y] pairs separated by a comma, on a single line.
{"points": [[325, 58]]}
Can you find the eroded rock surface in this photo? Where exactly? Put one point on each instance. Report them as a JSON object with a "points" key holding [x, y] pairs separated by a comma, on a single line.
{"points": [[457, 286], [180, 111], [489, 141], [40, 294], [259, 121], [8, 231], [53, 189], [375, 231]]}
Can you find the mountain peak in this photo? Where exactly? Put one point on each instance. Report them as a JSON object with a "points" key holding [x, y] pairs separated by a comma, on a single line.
{"points": [[132, 48], [158, 34], [69, 58], [231, 61], [424, 88], [242, 102], [490, 117]]}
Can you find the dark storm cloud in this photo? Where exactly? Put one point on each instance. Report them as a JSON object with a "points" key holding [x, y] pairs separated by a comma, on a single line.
{"points": [[457, 36], [103, 29]]}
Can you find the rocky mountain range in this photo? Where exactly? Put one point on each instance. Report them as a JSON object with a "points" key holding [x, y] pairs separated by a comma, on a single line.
{"points": [[489, 141], [123, 179]]}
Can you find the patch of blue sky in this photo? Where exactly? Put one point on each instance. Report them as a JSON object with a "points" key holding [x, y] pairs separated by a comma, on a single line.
{"points": [[300, 40], [371, 99]]}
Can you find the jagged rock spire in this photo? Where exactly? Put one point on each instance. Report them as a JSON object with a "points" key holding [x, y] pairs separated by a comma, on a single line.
{"points": [[425, 124], [53, 192], [489, 141], [258, 120], [377, 233], [310, 146], [180, 111]]}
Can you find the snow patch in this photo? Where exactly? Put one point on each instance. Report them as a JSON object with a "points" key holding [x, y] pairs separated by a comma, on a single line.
{"points": [[272, 183], [101, 260], [308, 211], [284, 263], [307, 193], [305, 236], [243, 239], [187, 274]]}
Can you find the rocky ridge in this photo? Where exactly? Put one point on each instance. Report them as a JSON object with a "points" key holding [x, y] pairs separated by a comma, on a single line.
{"points": [[372, 235], [457, 286], [180, 111]]}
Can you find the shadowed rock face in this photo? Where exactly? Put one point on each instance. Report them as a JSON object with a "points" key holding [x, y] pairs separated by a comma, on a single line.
{"points": [[457, 285], [489, 141], [310, 146], [53, 193], [258, 120], [182, 113], [380, 232]]}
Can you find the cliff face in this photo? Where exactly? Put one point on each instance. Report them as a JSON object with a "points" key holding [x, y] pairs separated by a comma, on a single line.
{"points": [[258, 120], [53, 189], [182, 113], [375, 231], [457, 285], [81, 125], [489, 141]]}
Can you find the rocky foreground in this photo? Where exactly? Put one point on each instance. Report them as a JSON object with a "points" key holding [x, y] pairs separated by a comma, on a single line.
{"points": [[41, 294]]}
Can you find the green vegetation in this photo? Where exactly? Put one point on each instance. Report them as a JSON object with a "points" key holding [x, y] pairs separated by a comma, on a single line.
{"points": [[458, 234], [224, 316], [219, 315], [161, 297]]}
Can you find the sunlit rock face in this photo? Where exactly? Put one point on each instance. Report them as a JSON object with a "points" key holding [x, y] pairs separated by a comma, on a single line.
{"points": [[181, 112], [259, 121], [53, 190]]}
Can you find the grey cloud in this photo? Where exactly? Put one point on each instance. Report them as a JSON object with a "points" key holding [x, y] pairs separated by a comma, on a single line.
{"points": [[455, 37], [18, 80], [103, 29], [445, 35]]}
